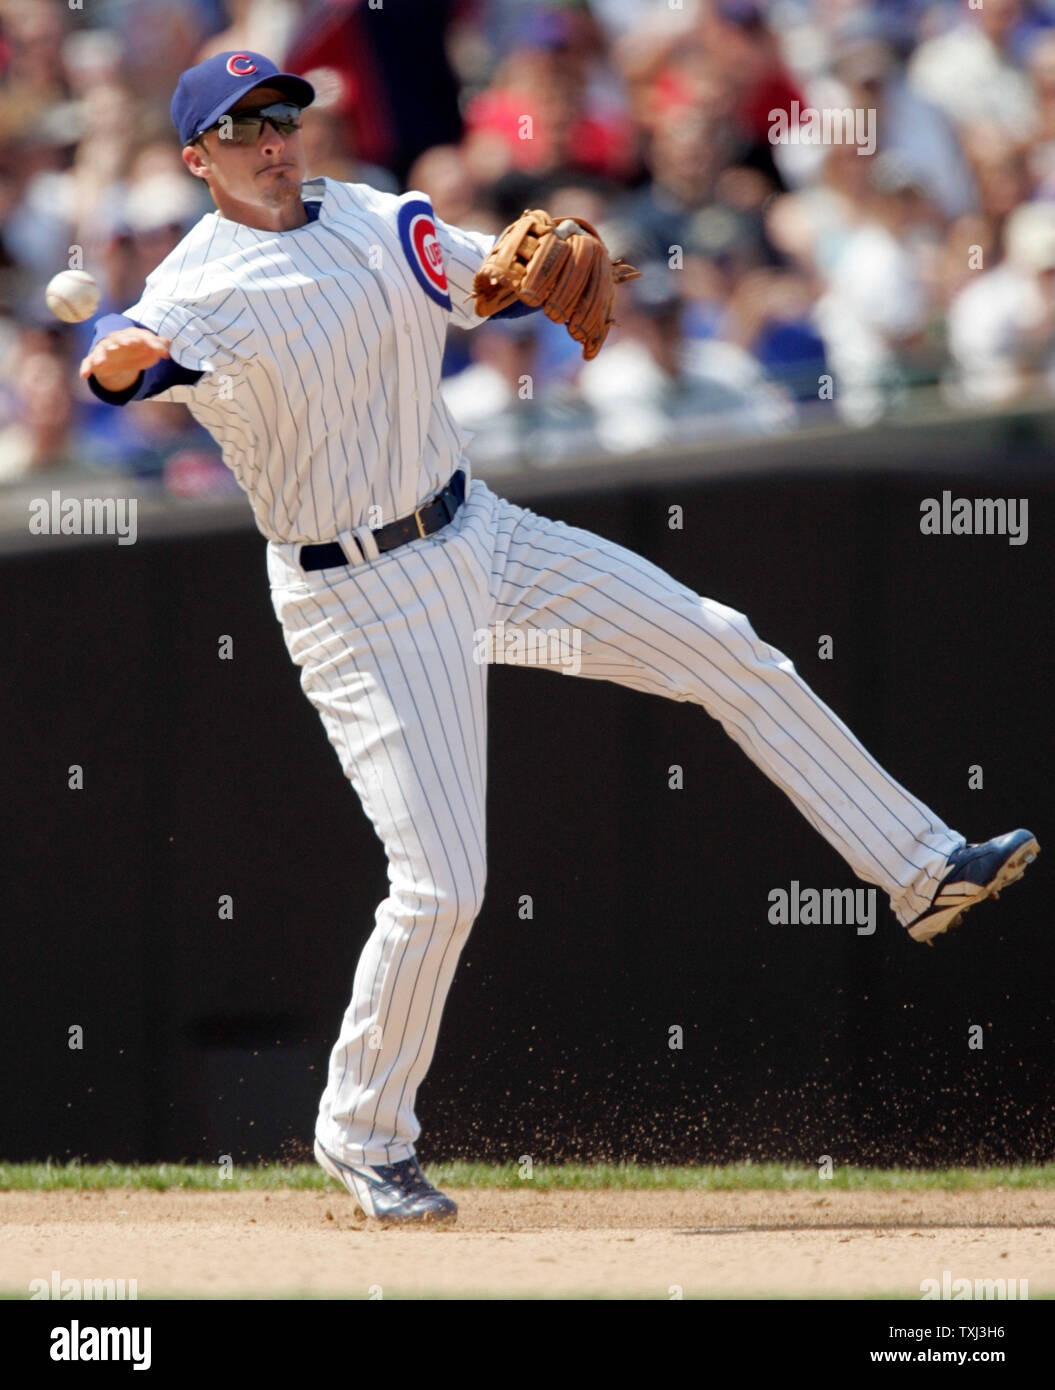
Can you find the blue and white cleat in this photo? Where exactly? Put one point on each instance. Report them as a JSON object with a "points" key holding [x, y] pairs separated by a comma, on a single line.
{"points": [[975, 872], [395, 1193]]}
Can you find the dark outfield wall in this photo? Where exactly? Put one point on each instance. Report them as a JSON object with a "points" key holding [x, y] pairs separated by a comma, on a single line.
{"points": [[204, 777]]}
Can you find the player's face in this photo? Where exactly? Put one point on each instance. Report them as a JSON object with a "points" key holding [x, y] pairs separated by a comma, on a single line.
{"points": [[258, 182]]}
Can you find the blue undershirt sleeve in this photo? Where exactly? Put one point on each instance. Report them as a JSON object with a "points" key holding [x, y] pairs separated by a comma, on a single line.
{"points": [[517, 310], [157, 378]]}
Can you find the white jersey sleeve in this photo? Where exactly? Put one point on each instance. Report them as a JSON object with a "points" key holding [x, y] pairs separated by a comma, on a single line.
{"points": [[190, 345], [193, 344], [463, 254]]}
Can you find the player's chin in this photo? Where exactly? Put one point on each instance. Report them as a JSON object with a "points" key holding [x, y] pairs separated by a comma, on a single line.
{"points": [[279, 186], [280, 176]]}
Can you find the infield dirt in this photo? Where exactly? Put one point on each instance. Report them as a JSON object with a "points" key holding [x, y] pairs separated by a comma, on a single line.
{"points": [[649, 1244]]}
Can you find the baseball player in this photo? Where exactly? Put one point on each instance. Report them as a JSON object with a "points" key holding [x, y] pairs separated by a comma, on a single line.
{"points": [[303, 324]]}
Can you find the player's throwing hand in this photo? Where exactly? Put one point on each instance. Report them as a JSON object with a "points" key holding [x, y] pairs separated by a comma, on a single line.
{"points": [[117, 360]]}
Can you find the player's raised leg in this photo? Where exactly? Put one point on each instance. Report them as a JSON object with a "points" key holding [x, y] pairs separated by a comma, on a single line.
{"points": [[640, 627], [385, 657]]}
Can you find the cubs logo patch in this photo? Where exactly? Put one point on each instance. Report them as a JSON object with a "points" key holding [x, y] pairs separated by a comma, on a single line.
{"points": [[421, 246], [240, 65]]}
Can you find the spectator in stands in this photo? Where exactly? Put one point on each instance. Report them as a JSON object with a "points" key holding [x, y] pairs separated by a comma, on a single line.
{"points": [[972, 72], [33, 82], [541, 118], [1002, 324], [879, 297], [399, 95], [443, 173], [498, 398], [690, 146], [909, 126], [652, 386], [37, 407]]}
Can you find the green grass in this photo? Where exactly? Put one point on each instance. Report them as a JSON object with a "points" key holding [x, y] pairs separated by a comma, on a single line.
{"points": [[735, 1177], [744, 1177]]}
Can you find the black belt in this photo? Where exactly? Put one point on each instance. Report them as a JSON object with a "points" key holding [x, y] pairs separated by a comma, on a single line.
{"points": [[432, 516]]}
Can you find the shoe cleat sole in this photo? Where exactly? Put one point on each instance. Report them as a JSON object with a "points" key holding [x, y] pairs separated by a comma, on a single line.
{"points": [[445, 1216], [1010, 872]]}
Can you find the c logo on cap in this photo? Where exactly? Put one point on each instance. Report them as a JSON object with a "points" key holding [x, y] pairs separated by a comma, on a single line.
{"points": [[235, 65]]}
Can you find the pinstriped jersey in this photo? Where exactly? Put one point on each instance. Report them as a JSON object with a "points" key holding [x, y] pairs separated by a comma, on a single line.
{"points": [[320, 351]]}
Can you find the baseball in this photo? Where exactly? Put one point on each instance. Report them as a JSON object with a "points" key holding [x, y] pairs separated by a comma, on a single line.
{"points": [[72, 296]]}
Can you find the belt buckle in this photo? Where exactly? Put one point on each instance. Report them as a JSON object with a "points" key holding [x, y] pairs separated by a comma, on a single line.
{"points": [[422, 533]]}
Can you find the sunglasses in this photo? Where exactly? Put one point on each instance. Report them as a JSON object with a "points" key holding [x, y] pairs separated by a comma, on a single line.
{"points": [[246, 126]]}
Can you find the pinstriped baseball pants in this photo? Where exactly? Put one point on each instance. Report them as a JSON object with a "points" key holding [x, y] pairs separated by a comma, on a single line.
{"points": [[390, 656]]}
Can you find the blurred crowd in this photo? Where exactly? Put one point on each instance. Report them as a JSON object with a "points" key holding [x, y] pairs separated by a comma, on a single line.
{"points": [[786, 275]]}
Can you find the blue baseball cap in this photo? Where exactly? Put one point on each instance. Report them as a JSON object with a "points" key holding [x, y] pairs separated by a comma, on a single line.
{"points": [[206, 91]]}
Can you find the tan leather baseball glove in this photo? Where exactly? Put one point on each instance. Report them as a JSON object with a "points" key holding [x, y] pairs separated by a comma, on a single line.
{"points": [[562, 265]]}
